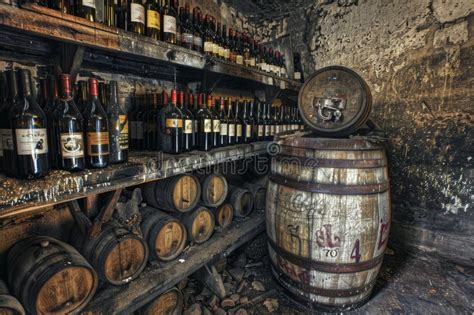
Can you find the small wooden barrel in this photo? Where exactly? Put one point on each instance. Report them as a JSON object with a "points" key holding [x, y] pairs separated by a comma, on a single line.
{"points": [[214, 190], [49, 276], [259, 195], [242, 201], [328, 217], [199, 224], [166, 236], [169, 303], [9, 305], [117, 255], [224, 215], [177, 194]]}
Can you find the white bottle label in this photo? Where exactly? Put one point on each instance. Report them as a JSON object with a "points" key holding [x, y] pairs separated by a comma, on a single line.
{"points": [[272, 130], [267, 130], [297, 75], [207, 125], [72, 145], [188, 126], [223, 129], [89, 3], [197, 41], [208, 47], [239, 130], [261, 130], [231, 130], [248, 131], [31, 141], [216, 125], [137, 13], [169, 24]]}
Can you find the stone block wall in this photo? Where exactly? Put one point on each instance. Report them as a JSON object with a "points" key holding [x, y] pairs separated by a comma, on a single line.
{"points": [[418, 58]]}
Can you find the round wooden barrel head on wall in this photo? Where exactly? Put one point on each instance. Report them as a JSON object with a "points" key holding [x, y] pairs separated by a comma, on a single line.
{"points": [[335, 101], [214, 190], [186, 193], [224, 215], [49, 276], [200, 224], [169, 303], [328, 218]]}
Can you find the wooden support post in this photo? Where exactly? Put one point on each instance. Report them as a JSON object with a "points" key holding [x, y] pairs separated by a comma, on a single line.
{"points": [[105, 214]]}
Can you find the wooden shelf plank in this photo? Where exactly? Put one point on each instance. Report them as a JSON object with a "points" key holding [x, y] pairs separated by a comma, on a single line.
{"points": [[156, 279], [47, 23], [19, 196]]}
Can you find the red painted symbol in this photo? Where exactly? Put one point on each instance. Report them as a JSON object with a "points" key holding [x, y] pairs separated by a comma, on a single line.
{"points": [[324, 237], [384, 229], [355, 254], [302, 276]]}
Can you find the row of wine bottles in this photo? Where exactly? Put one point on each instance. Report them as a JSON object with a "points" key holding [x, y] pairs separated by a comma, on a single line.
{"points": [[166, 20], [198, 122], [59, 135]]}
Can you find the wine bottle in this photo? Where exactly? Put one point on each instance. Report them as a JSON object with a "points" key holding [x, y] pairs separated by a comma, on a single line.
{"points": [[260, 123], [69, 126], [231, 45], [3, 104], [238, 123], [298, 70], [118, 127], [82, 98], [231, 123], [153, 19], [246, 124], [266, 122], [197, 30], [43, 92], [187, 30], [239, 52], [103, 94], [225, 43], [9, 156], [223, 134], [271, 120], [121, 14], [173, 127], [97, 129], [51, 112], [136, 17], [169, 23], [151, 119], [208, 38], [110, 14], [140, 126], [188, 124], [86, 9], [204, 119], [253, 120], [29, 132], [194, 108], [277, 120], [216, 123]]}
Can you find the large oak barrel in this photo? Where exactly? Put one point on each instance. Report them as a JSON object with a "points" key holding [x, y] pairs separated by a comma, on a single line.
{"points": [[9, 305], [166, 236], [49, 276], [199, 223], [169, 303], [259, 195], [177, 194], [242, 201], [328, 217], [117, 255], [224, 215], [214, 190]]}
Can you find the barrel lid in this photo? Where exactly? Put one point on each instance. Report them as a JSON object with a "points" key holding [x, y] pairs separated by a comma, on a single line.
{"points": [[358, 144], [335, 101]]}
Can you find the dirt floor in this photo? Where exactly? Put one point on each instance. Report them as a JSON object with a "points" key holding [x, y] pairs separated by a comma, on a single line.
{"points": [[408, 283]]}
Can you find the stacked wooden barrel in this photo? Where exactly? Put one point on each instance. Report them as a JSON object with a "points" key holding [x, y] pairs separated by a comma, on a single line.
{"points": [[169, 303], [49, 276], [9, 305], [328, 219]]}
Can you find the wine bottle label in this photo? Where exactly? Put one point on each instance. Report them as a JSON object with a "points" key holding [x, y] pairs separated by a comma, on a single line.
{"points": [[252, 62], [222, 52], [173, 123], [207, 125], [89, 3], [248, 131], [261, 130], [239, 59], [7, 139], [31, 141], [187, 38], [197, 41], [264, 66], [208, 46], [139, 130], [123, 137], [227, 53], [72, 145], [267, 130], [97, 143], [272, 130], [238, 130], [215, 49], [223, 129], [188, 126], [277, 128], [137, 13], [216, 125], [297, 75], [231, 130], [153, 19], [169, 24]]}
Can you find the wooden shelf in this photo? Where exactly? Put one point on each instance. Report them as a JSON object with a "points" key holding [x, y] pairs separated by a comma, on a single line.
{"points": [[156, 279], [108, 48], [19, 196]]}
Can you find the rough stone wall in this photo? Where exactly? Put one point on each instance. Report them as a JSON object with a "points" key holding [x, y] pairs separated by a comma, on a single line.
{"points": [[418, 59]]}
